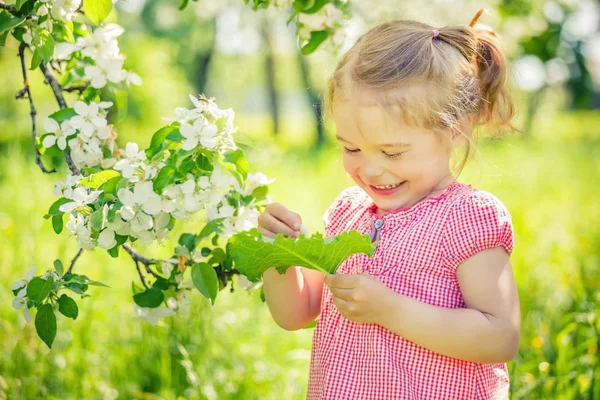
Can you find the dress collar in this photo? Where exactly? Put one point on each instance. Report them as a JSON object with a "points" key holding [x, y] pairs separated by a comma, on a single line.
{"points": [[408, 212]]}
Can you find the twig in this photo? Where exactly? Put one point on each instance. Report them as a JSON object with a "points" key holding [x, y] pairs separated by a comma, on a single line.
{"points": [[75, 89], [139, 258], [137, 265], [21, 94], [58, 94], [8, 7], [73, 262]]}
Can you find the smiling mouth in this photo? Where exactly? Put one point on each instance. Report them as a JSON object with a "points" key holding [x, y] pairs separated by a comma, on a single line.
{"points": [[386, 187]]}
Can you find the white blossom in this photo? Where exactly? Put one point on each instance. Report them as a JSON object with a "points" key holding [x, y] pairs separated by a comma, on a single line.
{"points": [[59, 133], [133, 159], [201, 132], [64, 10], [151, 315], [89, 117], [22, 283], [80, 196], [65, 188], [255, 180]]}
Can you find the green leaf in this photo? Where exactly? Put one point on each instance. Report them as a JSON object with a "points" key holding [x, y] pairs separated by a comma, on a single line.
{"points": [[204, 163], [64, 31], [3, 37], [205, 279], [232, 169], [260, 193], [316, 38], [58, 267], [47, 47], [96, 220], [36, 59], [114, 251], [79, 288], [94, 181], [214, 226], [63, 115], [183, 4], [57, 223], [8, 21], [165, 177], [318, 4], [135, 288], [38, 289], [97, 10], [161, 283], [55, 207], [110, 186], [149, 298], [253, 254], [239, 160], [45, 324], [158, 139], [68, 307], [188, 240], [19, 4]]}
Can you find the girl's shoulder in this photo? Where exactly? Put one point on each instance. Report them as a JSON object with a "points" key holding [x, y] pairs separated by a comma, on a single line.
{"points": [[348, 204], [477, 220], [470, 204]]}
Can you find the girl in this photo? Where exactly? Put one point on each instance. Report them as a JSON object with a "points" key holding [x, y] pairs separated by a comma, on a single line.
{"points": [[434, 313]]}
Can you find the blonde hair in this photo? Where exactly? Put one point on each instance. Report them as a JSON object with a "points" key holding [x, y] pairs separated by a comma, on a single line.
{"points": [[462, 68]]}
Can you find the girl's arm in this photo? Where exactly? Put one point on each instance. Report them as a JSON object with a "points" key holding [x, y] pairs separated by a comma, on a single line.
{"points": [[487, 331], [294, 298]]}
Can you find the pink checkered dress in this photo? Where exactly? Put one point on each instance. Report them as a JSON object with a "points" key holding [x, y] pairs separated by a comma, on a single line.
{"points": [[418, 254]]}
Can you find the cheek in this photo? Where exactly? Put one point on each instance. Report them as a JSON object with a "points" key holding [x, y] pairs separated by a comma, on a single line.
{"points": [[351, 164]]}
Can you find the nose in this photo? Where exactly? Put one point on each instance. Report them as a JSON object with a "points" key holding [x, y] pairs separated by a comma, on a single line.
{"points": [[370, 171]]}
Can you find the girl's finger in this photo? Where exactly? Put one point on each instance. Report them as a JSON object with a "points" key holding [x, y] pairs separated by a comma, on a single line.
{"points": [[266, 232], [272, 224], [286, 216]]}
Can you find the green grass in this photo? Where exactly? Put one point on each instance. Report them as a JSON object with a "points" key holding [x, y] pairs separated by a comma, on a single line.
{"points": [[234, 349]]}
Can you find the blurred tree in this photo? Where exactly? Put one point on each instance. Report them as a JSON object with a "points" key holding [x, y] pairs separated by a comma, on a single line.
{"points": [[193, 38], [266, 33]]}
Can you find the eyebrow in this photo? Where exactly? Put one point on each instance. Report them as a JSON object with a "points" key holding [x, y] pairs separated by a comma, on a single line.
{"points": [[395, 144]]}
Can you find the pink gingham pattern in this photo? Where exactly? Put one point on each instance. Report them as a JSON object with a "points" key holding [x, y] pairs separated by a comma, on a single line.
{"points": [[418, 254]]}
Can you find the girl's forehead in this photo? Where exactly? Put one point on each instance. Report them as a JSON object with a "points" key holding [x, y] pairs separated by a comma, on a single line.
{"points": [[368, 122]]}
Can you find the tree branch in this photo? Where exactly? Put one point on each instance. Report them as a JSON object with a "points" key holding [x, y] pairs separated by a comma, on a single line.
{"points": [[8, 7], [21, 94], [139, 258], [73, 263], [137, 266], [58, 94]]}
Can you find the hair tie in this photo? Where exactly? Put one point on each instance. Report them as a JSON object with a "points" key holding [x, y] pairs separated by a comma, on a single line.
{"points": [[436, 33]]}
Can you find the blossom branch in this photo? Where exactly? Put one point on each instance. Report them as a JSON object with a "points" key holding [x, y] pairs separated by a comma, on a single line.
{"points": [[137, 266], [139, 258], [58, 94], [21, 94], [8, 7], [73, 262]]}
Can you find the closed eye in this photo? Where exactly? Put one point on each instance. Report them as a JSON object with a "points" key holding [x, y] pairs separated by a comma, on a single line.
{"points": [[391, 156]]}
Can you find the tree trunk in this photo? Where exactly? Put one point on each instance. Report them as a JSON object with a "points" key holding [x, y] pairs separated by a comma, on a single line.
{"points": [[270, 75], [314, 98]]}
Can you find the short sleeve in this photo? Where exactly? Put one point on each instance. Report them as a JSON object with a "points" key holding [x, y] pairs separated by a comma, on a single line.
{"points": [[478, 222], [337, 216]]}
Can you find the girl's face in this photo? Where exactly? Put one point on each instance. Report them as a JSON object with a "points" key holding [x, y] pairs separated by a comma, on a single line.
{"points": [[397, 165]]}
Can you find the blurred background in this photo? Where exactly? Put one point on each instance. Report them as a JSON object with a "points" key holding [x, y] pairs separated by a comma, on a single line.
{"points": [[547, 176]]}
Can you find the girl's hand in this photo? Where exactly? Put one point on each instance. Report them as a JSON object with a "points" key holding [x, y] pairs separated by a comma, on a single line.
{"points": [[359, 297], [278, 219]]}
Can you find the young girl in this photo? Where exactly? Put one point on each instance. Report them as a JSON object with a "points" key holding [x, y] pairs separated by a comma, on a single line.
{"points": [[434, 313]]}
